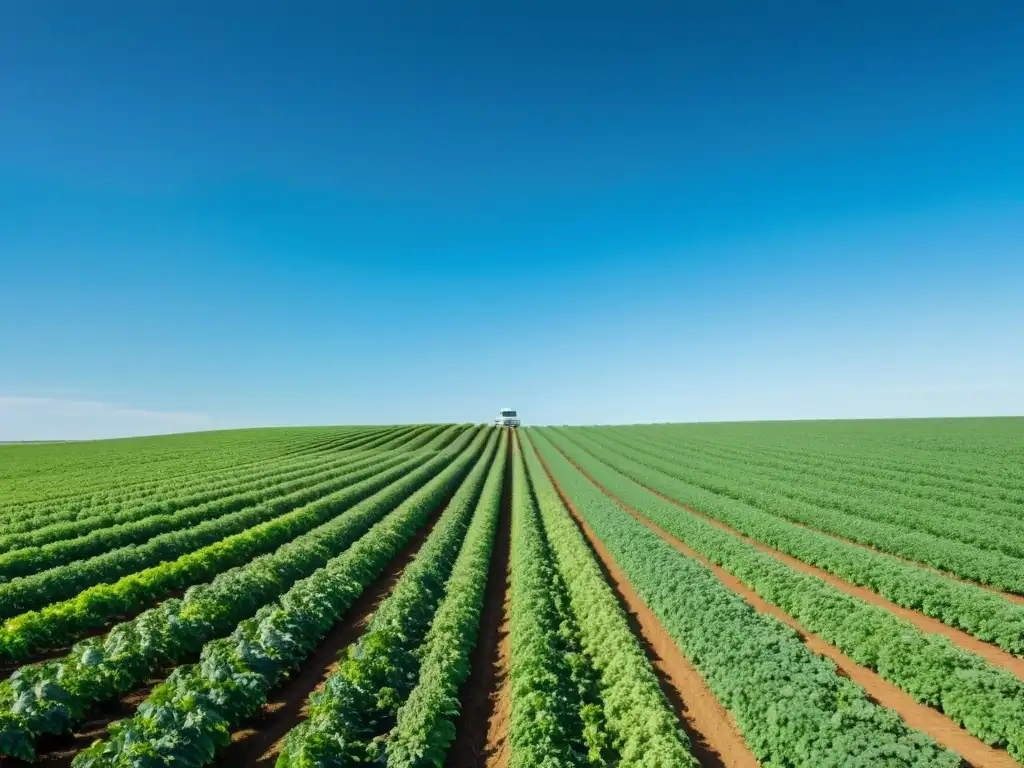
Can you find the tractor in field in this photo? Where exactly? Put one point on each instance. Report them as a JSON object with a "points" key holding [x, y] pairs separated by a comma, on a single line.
{"points": [[507, 418]]}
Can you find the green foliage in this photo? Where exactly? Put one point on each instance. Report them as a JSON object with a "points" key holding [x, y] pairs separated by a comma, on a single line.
{"points": [[791, 706], [552, 683], [988, 702], [646, 733], [52, 697], [59, 622], [970, 562], [971, 608], [425, 725], [359, 703], [192, 713], [162, 532]]}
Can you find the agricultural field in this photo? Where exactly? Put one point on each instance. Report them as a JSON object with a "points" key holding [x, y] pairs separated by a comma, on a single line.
{"points": [[777, 594]]}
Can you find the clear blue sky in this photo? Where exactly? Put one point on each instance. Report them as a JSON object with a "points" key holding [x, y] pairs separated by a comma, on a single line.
{"points": [[223, 214]]}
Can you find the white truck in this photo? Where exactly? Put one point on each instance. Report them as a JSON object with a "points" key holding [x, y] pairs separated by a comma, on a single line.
{"points": [[507, 418]]}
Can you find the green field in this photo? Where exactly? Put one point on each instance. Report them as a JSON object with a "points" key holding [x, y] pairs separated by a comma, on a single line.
{"points": [[821, 593]]}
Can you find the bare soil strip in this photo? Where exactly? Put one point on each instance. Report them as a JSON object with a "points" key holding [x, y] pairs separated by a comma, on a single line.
{"points": [[260, 740], [919, 716], [715, 740], [481, 731], [991, 653], [1010, 596]]}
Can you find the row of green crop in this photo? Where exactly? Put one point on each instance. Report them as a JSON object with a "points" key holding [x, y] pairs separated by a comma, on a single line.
{"points": [[433, 439], [54, 696], [557, 718], [934, 480], [985, 566], [425, 722], [40, 528], [845, 491], [35, 527], [135, 469], [60, 622], [188, 717], [114, 499], [645, 732], [32, 592], [944, 477], [791, 706], [976, 610], [988, 702], [349, 719], [38, 472], [33, 559], [967, 539]]}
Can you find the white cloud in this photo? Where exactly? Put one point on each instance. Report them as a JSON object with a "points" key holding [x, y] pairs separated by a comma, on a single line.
{"points": [[51, 418]]}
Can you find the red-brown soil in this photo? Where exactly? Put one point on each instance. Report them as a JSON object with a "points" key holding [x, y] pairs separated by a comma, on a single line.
{"points": [[481, 731], [919, 716], [991, 653], [259, 741], [715, 740]]}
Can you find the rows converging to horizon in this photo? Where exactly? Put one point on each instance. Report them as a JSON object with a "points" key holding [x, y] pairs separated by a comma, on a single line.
{"points": [[793, 594]]}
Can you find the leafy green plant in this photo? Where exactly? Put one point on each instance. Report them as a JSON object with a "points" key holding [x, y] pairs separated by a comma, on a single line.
{"points": [[192, 713], [645, 731], [979, 611], [791, 706], [358, 705], [52, 697]]}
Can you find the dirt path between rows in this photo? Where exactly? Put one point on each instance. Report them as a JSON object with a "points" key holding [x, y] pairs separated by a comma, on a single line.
{"points": [[259, 741], [715, 740], [919, 716], [48, 654], [59, 751], [481, 731], [991, 653], [1010, 596]]}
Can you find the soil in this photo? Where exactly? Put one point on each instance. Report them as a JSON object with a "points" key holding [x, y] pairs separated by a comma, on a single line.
{"points": [[919, 716], [59, 751], [259, 741], [46, 654], [991, 653], [715, 739], [481, 731]]}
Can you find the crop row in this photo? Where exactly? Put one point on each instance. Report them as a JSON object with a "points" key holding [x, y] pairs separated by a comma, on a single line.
{"points": [[33, 529], [350, 717], [930, 481], [988, 702], [896, 467], [791, 706], [645, 732], [194, 711], [183, 492], [113, 497], [40, 589], [838, 491], [981, 565], [53, 696], [973, 609], [425, 722], [557, 717], [32, 559], [99, 481], [59, 622]]}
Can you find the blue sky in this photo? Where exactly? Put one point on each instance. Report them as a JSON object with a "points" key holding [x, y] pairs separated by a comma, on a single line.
{"points": [[230, 214]]}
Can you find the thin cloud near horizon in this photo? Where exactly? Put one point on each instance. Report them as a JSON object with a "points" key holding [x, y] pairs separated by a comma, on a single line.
{"points": [[30, 418]]}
